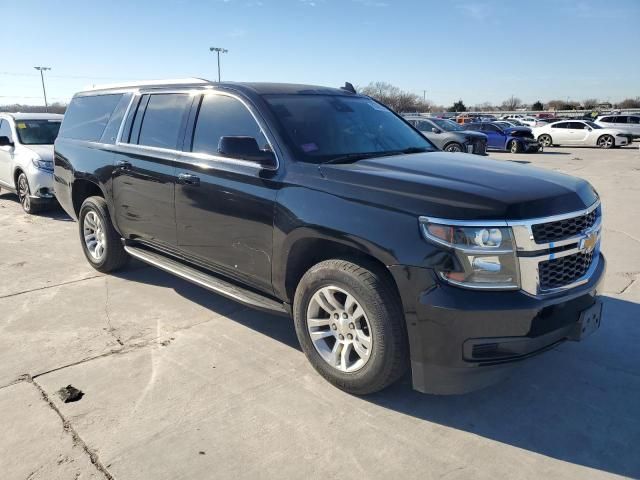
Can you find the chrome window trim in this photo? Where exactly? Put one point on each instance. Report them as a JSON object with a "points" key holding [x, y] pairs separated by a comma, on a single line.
{"points": [[197, 155], [522, 234]]}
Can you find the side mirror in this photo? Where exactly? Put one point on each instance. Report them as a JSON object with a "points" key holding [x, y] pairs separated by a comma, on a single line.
{"points": [[436, 130], [5, 142], [246, 148]]}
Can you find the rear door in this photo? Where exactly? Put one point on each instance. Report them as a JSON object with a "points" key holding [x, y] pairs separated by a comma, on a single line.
{"points": [[633, 125], [224, 206], [559, 133], [145, 164]]}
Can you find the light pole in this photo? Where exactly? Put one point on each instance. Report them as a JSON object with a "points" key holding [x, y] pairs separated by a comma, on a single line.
{"points": [[218, 50], [44, 91]]}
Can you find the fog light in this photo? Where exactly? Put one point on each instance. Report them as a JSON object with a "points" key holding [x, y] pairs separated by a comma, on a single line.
{"points": [[486, 264]]}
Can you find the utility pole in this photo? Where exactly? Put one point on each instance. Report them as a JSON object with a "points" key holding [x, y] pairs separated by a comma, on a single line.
{"points": [[44, 91], [424, 95], [218, 50]]}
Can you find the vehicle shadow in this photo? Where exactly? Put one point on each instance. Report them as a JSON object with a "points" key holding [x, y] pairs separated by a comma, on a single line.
{"points": [[545, 152], [53, 211], [578, 403]]}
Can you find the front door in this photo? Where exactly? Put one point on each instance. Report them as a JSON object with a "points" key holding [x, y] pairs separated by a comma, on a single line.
{"points": [[495, 137], [144, 168], [224, 206], [6, 155], [577, 133]]}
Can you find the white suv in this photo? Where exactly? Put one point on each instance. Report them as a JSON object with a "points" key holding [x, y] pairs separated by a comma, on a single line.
{"points": [[627, 123], [26, 156]]}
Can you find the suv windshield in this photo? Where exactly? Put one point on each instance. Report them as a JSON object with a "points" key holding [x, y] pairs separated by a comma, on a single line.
{"points": [[37, 132], [446, 125], [322, 128]]}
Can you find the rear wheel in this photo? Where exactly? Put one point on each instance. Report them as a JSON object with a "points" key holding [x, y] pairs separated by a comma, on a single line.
{"points": [[453, 147], [350, 325], [606, 141], [24, 195], [545, 140], [101, 243], [514, 146]]}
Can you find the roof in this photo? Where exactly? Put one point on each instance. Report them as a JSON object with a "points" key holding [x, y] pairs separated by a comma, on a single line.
{"points": [[256, 88], [33, 116]]}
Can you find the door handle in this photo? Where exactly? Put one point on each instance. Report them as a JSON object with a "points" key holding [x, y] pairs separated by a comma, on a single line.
{"points": [[123, 165], [188, 179]]}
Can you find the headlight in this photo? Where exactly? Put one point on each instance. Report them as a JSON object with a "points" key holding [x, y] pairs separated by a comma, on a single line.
{"points": [[486, 254], [43, 164]]}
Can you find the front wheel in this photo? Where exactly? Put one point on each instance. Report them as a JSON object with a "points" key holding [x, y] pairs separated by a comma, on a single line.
{"points": [[545, 140], [350, 325], [606, 141], [24, 195], [514, 146], [453, 147], [101, 243]]}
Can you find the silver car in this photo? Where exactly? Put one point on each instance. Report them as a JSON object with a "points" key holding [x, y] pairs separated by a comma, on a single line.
{"points": [[26, 156], [449, 136], [627, 123]]}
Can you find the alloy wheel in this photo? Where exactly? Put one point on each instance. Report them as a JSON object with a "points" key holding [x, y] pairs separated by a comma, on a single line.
{"points": [[606, 141], [453, 148], [24, 193], [339, 329], [94, 235]]}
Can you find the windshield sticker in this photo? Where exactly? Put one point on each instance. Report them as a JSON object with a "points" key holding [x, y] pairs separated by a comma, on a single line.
{"points": [[309, 147], [21, 125]]}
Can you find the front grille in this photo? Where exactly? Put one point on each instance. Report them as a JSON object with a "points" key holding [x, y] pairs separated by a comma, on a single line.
{"points": [[565, 270], [563, 229]]}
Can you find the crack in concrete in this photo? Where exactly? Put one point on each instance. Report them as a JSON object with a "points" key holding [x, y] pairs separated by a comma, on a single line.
{"points": [[110, 330], [49, 286], [633, 280], [623, 233], [66, 425]]}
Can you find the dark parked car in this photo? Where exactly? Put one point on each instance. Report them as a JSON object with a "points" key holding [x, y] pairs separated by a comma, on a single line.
{"points": [[499, 137], [448, 135], [323, 204]]}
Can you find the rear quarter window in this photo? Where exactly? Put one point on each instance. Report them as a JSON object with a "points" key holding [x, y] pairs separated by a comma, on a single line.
{"points": [[87, 117]]}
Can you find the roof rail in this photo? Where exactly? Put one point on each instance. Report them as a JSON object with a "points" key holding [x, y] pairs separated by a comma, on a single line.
{"points": [[151, 83]]}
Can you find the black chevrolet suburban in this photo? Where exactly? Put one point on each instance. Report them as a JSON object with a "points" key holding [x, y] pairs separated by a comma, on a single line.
{"points": [[325, 205]]}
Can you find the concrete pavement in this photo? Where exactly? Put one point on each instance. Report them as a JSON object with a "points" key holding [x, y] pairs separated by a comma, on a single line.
{"points": [[182, 384]]}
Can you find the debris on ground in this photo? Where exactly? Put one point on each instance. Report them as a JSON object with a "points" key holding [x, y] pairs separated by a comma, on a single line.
{"points": [[70, 394]]}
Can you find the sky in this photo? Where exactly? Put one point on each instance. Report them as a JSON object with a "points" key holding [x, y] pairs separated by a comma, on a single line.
{"points": [[475, 50]]}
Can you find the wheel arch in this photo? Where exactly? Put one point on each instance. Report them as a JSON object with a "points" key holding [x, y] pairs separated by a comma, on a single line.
{"points": [[82, 189], [307, 249], [451, 142]]}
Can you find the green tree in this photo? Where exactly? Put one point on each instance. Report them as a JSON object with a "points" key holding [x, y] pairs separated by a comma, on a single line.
{"points": [[537, 106], [458, 106]]}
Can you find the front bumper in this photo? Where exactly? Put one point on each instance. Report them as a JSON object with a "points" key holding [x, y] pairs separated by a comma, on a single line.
{"points": [[462, 340], [40, 184]]}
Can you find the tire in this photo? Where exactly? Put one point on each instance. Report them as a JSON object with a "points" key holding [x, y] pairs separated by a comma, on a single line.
{"points": [[453, 147], [514, 146], [24, 195], [606, 141], [545, 140], [377, 312], [96, 230]]}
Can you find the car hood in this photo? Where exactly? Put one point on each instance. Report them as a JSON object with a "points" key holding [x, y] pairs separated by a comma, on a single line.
{"points": [[45, 152], [517, 129], [460, 186]]}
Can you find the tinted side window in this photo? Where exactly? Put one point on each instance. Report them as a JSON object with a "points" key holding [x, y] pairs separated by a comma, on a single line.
{"points": [[635, 120], [560, 125], [423, 126], [577, 125], [607, 119], [163, 119], [222, 116], [86, 117], [5, 129], [491, 128], [622, 119]]}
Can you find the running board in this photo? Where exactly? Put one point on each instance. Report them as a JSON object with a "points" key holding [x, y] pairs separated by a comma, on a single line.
{"points": [[210, 282]]}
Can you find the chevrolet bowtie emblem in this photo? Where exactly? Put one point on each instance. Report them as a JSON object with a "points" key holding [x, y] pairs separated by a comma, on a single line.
{"points": [[588, 242]]}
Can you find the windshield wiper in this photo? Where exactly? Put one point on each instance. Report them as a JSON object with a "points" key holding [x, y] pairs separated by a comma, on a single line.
{"points": [[354, 157]]}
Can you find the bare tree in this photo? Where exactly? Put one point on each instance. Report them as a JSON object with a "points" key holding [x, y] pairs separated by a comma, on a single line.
{"points": [[395, 98], [511, 103], [590, 103], [629, 103]]}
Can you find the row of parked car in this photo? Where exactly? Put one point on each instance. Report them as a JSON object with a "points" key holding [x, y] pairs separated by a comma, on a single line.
{"points": [[526, 134]]}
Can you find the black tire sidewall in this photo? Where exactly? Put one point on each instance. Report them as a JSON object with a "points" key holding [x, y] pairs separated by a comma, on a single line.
{"points": [[92, 204], [367, 379], [31, 208]]}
